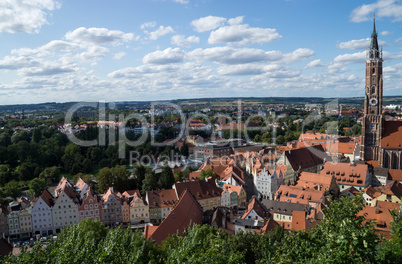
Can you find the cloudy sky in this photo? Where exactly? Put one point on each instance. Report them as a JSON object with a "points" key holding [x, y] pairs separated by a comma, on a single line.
{"points": [[135, 50]]}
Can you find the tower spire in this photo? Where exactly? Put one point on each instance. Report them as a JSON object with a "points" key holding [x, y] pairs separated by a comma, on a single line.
{"points": [[374, 52]]}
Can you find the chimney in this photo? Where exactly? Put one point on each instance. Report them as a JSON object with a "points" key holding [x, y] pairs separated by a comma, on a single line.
{"points": [[377, 211]]}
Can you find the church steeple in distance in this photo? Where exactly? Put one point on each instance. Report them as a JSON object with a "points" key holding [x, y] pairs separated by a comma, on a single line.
{"points": [[372, 129]]}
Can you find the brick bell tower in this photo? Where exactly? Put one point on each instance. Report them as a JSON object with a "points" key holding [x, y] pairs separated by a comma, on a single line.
{"points": [[373, 122]]}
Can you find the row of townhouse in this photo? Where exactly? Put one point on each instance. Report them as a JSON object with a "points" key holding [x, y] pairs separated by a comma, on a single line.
{"points": [[70, 204], [48, 213]]}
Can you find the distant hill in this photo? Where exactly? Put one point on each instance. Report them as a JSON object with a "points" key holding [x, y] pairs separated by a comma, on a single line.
{"points": [[62, 107]]}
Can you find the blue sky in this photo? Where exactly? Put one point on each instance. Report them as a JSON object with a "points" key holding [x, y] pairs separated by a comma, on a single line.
{"points": [[135, 50]]}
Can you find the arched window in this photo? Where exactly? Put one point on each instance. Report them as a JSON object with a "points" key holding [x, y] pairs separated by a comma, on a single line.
{"points": [[373, 89]]}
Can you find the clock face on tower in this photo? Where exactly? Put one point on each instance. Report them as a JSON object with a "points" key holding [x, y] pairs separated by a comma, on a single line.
{"points": [[373, 101]]}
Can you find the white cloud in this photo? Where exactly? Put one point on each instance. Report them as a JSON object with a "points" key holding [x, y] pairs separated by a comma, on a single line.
{"points": [[385, 33], [119, 55], [182, 1], [398, 41], [150, 24], [49, 69], [355, 44], [182, 41], [358, 44], [315, 63], [336, 68], [382, 8], [25, 16], [166, 56], [298, 55], [242, 35], [99, 36], [249, 69], [207, 23], [357, 57], [236, 21], [92, 53], [13, 63], [161, 31], [228, 55]]}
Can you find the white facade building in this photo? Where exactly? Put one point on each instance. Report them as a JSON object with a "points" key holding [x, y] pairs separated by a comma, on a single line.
{"points": [[41, 212], [266, 183]]}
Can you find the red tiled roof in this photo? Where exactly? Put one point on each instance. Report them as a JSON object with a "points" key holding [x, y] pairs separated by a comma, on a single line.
{"points": [[256, 206], [351, 190], [299, 220], [392, 136], [346, 173], [186, 211], [200, 189], [306, 157], [294, 194], [109, 193], [47, 197], [395, 175], [270, 225], [80, 184], [131, 193], [313, 180], [162, 198]]}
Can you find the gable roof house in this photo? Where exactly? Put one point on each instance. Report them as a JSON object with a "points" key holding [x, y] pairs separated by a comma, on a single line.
{"points": [[187, 211], [303, 159], [255, 211], [111, 208], [391, 192], [206, 192], [293, 194], [348, 174], [160, 203], [42, 221], [325, 182], [65, 209]]}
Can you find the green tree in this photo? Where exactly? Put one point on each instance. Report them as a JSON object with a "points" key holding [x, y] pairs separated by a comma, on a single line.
{"points": [[26, 171], [120, 175], [5, 139], [51, 175], [280, 140], [105, 179], [150, 182], [12, 189], [205, 174], [167, 177], [36, 135], [37, 186]]}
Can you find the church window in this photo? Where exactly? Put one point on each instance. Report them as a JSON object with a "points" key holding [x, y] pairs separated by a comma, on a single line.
{"points": [[373, 89]]}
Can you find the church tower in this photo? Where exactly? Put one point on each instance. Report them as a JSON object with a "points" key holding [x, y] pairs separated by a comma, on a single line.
{"points": [[373, 122]]}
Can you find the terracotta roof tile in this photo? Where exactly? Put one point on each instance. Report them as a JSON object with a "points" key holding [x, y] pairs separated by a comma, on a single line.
{"points": [[257, 207], [200, 189], [395, 175], [346, 173], [392, 137], [162, 198], [187, 211]]}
